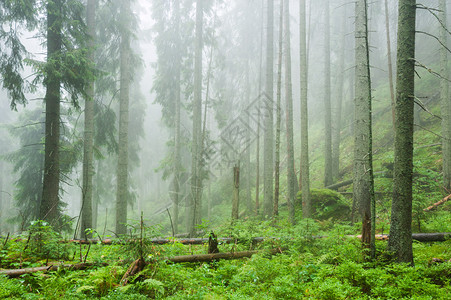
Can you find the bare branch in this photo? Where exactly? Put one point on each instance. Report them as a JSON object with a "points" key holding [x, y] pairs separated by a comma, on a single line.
{"points": [[432, 11], [421, 127], [423, 107], [419, 64], [433, 36]]}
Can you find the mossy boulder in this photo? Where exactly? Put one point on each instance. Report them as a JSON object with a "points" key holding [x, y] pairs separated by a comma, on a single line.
{"points": [[328, 204]]}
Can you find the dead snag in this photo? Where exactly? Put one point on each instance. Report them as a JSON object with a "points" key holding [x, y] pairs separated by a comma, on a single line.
{"points": [[213, 243]]}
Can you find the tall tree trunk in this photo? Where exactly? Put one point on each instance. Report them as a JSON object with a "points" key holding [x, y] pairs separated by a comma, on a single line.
{"points": [[247, 153], [328, 179], [122, 166], [445, 101], [209, 202], [293, 187], [88, 168], [2, 206], [336, 137], [260, 71], [363, 191], [275, 210], [196, 182], [50, 204], [268, 147], [305, 173], [400, 243], [177, 144], [389, 60], [95, 198], [236, 192], [203, 171]]}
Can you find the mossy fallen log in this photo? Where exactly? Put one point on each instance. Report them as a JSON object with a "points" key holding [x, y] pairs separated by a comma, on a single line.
{"points": [[18, 272], [215, 256]]}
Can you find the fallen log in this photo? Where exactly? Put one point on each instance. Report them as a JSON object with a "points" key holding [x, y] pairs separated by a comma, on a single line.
{"points": [[216, 256], [432, 237], [335, 186], [139, 264], [437, 203], [421, 237], [19, 272], [163, 241]]}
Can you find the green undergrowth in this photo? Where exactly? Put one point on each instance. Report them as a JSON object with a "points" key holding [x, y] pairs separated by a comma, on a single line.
{"points": [[317, 260]]}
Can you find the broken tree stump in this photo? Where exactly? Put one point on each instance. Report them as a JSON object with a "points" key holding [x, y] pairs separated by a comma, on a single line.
{"points": [[213, 243]]}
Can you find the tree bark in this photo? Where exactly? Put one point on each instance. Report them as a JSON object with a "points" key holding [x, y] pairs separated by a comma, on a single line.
{"points": [[260, 71], [236, 192], [292, 185], [400, 243], [122, 166], [1, 197], [88, 142], [275, 210], [268, 142], [363, 191], [177, 143], [247, 153], [305, 165], [390, 65], [196, 181], [336, 129], [445, 100], [328, 178], [50, 204]]}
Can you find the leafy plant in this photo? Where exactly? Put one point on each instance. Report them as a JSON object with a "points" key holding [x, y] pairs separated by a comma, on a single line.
{"points": [[44, 242]]}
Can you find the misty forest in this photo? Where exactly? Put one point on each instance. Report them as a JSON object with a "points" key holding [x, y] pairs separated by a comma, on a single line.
{"points": [[225, 149]]}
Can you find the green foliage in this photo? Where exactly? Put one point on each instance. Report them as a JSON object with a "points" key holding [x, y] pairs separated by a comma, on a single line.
{"points": [[44, 242], [28, 163], [138, 243], [10, 288], [326, 268], [328, 204], [71, 65]]}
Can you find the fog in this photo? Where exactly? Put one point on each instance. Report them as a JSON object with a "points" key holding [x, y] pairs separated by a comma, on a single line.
{"points": [[233, 74]]}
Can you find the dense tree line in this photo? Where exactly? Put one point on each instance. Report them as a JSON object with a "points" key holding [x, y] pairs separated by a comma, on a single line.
{"points": [[226, 77]]}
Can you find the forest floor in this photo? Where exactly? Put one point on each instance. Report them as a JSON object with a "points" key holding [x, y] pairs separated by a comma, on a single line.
{"points": [[303, 268]]}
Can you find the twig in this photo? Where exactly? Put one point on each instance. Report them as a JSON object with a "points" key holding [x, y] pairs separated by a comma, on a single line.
{"points": [[423, 107], [436, 134], [6, 240], [106, 218], [419, 64], [432, 11], [170, 219], [86, 256], [436, 38]]}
